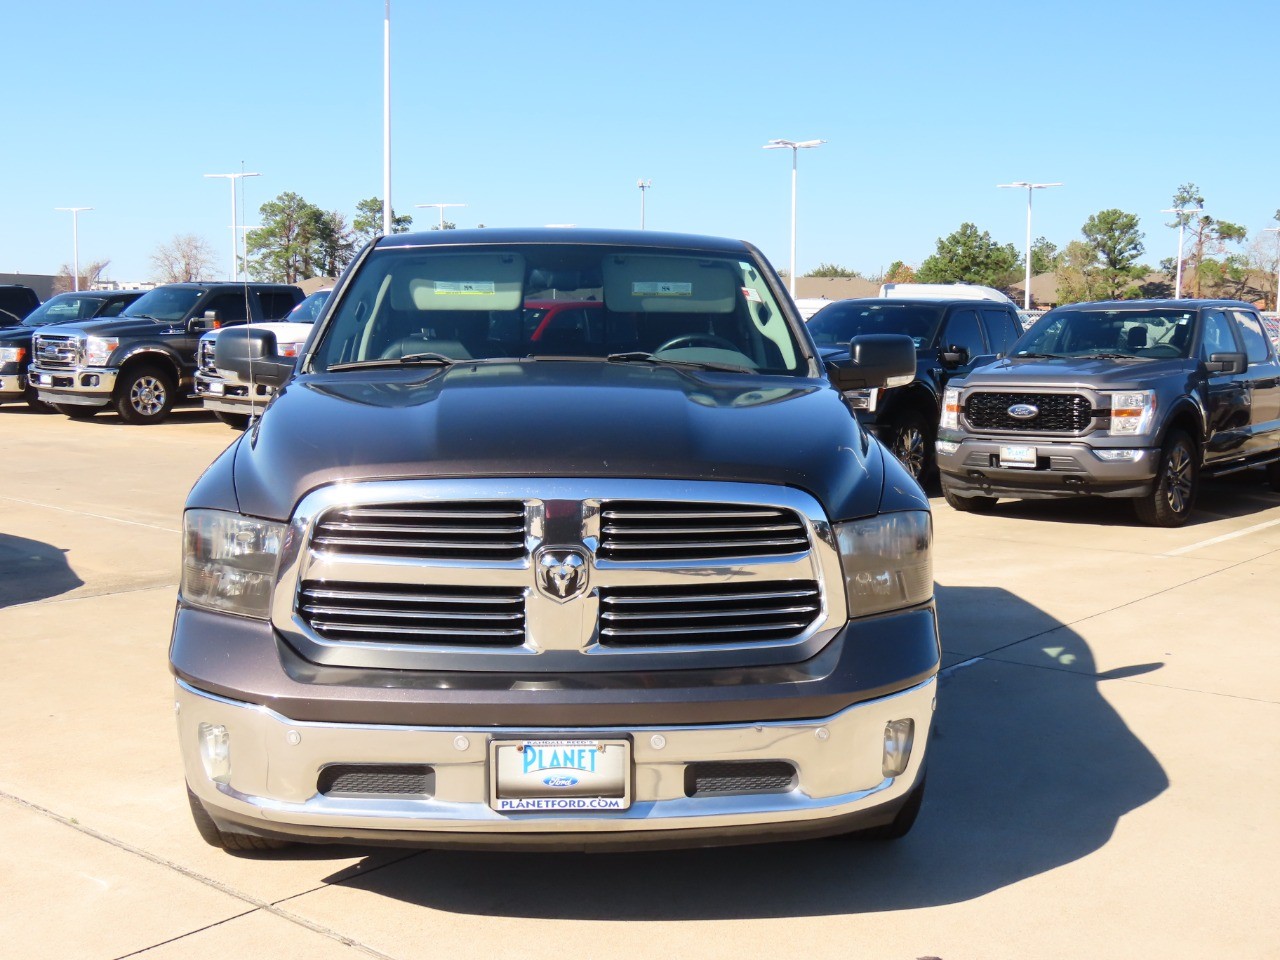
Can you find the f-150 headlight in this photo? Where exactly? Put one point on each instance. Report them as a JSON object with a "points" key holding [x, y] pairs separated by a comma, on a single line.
{"points": [[98, 349], [12, 354], [950, 410], [887, 561], [1132, 413], [229, 562]]}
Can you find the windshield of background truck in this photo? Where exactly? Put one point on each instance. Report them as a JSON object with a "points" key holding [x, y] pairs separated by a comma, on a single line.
{"points": [[487, 303], [1140, 334], [841, 322], [64, 307], [163, 303], [308, 309]]}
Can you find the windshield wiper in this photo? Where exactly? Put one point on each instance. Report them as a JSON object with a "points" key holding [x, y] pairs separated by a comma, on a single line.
{"points": [[640, 356], [1032, 355], [1109, 356], [408, 360]]}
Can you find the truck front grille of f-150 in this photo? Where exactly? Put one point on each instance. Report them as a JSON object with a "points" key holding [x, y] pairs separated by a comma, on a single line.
{"points": [[52, 350], [470, 530], [658, 530], [1056, 412], [409, 614], [711, 614]]}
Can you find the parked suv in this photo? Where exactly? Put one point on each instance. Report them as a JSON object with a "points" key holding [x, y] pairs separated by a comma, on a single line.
{"points": [[144, 360], [16, 301], [951, 336], [15, 341], [1131, 399], [642, 579]]}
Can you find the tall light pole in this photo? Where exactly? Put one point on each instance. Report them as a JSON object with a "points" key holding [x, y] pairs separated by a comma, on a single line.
{"points": [[795, 146], [441, 207], [75, 242], [235, 228], [1276, 231], [1181, 213], [386, 121], [644, 185], [1022, 184]]}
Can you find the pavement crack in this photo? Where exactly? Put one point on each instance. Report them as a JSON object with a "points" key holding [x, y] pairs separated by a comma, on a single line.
{"points": [[255, 902]]}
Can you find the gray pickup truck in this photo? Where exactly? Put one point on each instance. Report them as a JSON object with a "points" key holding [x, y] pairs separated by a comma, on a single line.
{"points": [[623, 570], [1132, 399]]}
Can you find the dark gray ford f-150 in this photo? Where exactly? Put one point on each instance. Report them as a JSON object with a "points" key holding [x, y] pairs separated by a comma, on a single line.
{"points": [[628, 573]]}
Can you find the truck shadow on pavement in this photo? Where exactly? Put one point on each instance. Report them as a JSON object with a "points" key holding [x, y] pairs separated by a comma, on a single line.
{"points": [[31, 570], [1029, 769]]}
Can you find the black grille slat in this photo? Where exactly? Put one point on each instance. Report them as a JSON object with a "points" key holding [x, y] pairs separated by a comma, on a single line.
{"points": [[1059, 412], [638, 530], [707, 615], [491, 531], [377, 779], [744, 776], [403, 614]]}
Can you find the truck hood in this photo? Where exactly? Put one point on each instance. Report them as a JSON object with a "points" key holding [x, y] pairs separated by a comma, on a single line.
{"points": [[112, 327], [551, 418], [20, 334], [1012, 372], [285, 331]]}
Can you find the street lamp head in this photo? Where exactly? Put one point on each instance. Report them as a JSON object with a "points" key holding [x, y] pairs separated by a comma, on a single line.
{"points": [[644, 184], [792, 144], [1025, 185]]}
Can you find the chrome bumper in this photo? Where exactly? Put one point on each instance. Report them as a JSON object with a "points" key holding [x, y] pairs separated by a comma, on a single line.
{"points": [[1063, 468], [229, 396], [12, 386], [89, 386], [275, 765]]}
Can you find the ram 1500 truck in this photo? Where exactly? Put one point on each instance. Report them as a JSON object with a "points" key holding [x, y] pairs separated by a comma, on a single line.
{"points": [[634, 578]]}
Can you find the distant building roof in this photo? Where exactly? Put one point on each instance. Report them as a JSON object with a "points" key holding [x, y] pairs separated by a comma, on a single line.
{"points": [[836, 288], [41, 283]]}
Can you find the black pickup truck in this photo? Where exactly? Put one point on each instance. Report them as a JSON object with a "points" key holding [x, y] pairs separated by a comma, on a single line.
{"points": [[144, 360], [1133, 399], [633, 575]]}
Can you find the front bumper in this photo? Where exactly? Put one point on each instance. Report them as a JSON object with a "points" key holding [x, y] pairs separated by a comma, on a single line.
{"points": [[276, 763], [86, 386], [228, 396], [1062, 469], [13, 386]]}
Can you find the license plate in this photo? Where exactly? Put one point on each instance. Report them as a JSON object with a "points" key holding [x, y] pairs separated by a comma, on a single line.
{"points": [[550, 776], [1024, 457]]}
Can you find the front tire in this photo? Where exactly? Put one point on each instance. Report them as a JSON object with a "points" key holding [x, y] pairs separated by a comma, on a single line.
{"points": [[145, 395], [969, 504], [237, 421], [225, 839], [75, 411], [1273, 476], [1171, 501], [910, 439]]}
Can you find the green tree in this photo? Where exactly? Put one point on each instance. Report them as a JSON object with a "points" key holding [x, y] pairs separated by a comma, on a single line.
{"points": [[284, 248], [1116, 242], [1044, 257], [898, 272], [334, 244], [970, 256], [447, 225], [367, 222], [832, 270], [1209, 239]]}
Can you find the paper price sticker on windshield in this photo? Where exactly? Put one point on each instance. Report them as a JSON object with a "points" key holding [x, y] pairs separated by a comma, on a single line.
{"points": [[466, 287], [752, 294], [660, 288]]}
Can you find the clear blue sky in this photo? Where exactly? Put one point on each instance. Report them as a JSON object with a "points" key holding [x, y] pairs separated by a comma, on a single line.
{"points": [[548, 112]]}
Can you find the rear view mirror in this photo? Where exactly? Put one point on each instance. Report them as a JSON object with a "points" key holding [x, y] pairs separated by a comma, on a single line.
{"points": [[252, 355], [1227, 363], [876, 360]]}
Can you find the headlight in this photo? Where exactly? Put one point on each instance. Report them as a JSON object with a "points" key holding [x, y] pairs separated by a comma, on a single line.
{"points": [[229, 562], [950, 410], [98, 349], [887, 561], [12, 354], [1132, 413]]}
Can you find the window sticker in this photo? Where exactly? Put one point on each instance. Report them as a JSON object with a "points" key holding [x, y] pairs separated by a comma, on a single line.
{"points": [[660, 288], [483, 288], [752, 294]]}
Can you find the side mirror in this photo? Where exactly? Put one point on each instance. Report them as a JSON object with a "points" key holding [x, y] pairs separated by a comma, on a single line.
{"points": [[954, 356], [876, 360], [252, 355], [1226, 363], [210, 321]]}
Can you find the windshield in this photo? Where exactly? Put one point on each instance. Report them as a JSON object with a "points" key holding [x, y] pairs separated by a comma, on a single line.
{"points": [[560, 300], [841, 322], [63, 307], [164, 303], [1082, 332], [308, 309]]}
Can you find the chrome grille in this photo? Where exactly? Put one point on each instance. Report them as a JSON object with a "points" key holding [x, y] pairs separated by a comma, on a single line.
{"points": [[52, 350], [1059, 412], [407, 614], [648, 530], [468, 530], [710, 614], [207, 348]]}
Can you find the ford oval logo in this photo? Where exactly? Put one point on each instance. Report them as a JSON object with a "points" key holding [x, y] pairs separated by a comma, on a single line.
{"points": [[1024, 411], [559, 780]]}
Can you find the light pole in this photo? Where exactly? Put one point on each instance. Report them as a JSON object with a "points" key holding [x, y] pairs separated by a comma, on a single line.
{"points": [[1181, 213], [795, 146], [441, 207], [75, 242], [1026, 293], [643, 185], [386, 121], [235, 229], [1276, 231]]}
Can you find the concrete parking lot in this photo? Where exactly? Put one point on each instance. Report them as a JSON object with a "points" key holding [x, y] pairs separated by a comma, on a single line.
{"points": [[1102, 784]]}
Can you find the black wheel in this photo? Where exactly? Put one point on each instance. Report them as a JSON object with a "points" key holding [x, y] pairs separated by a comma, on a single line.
{"points": [[910, 439], [237, 421], [1170, 502], [37, 405], [225, 839], [1273, 476], [75, 411], [145, 395], [969, 504]]}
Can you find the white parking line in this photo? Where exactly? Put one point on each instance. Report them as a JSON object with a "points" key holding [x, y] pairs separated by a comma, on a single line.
{"points": [[1226, 536], [96, 516]]}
